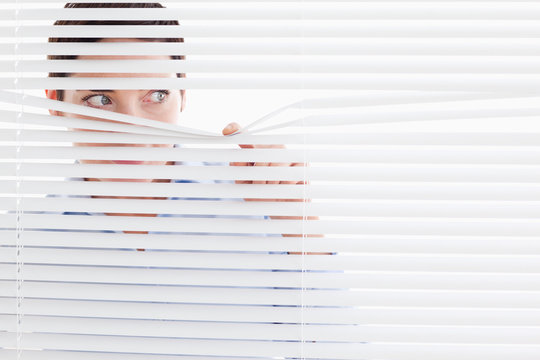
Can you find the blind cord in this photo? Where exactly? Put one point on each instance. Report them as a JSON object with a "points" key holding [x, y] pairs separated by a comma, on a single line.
{"points": [[18, 210], [302, 326]]}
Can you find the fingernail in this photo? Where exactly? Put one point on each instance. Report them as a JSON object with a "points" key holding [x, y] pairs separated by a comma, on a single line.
{"points": [[232, 129]]}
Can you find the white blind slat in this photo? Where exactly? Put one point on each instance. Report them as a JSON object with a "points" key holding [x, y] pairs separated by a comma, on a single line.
{"points": [[433, 82], [202, 312], [66, 355], [347, 280], [338, 138], [373, 154], [290, 46], [339, 11], [246, 296], [367, 208], [365, 190], [440, 244], [361, 262], [366, 28], [373, 64], [490, 227], [399, 352], [283, 332], [364, 172]]}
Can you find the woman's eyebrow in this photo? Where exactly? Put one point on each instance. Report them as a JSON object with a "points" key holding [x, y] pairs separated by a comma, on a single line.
{"points": [[98, 90]]}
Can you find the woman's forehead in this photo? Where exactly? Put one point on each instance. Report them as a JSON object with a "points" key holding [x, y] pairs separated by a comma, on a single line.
{"points": [[124, 57], [122, 75]]}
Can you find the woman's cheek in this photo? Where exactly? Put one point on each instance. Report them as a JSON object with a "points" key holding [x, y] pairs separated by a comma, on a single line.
{"points": [[166, 117]]}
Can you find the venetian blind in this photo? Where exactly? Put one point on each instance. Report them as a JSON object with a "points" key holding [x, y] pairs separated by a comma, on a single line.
{"points": [[406, 229]]}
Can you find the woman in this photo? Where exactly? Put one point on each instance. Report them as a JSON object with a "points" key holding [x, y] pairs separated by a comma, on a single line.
{"points": [[159, 105]]}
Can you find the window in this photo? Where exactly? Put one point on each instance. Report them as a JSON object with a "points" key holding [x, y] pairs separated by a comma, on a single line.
{"points": [[376, 195]]}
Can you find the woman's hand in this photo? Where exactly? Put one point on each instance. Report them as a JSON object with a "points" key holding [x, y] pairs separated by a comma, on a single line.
{"points": [[234, 127]]}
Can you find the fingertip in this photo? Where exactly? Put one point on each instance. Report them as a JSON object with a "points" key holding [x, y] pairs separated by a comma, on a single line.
{"points": [[231, 129], [226, 130]]}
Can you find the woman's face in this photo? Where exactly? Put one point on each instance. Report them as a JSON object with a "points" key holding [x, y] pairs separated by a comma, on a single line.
{"points": [[160, 104]]}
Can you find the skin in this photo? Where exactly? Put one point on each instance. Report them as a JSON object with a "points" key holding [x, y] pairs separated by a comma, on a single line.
{"points": [[150, 104]]}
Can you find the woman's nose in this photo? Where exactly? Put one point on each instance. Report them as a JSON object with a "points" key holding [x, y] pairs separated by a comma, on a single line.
{"points": [[128, 108]]}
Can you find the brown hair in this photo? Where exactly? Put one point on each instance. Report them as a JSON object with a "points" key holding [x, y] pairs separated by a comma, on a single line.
{"points": [[60, 93]]}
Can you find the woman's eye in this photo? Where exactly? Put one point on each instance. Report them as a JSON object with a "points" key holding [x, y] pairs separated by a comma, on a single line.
{"points": [[159, 96], [98, 100]]}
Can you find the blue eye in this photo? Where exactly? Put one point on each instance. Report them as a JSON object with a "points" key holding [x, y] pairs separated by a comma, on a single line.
{"points": [[159, 96], [97, 100]]}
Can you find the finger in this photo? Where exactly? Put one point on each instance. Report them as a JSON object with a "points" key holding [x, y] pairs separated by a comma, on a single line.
{"points": [[231, 128], [293, 182], [240, 164], [276, 182], [235, 128], [266, 181], [258, 182]]}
